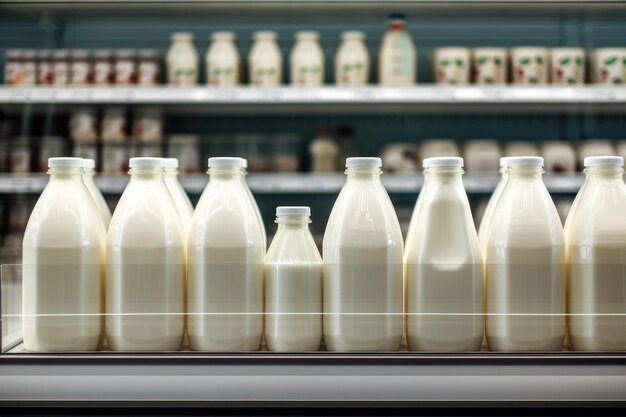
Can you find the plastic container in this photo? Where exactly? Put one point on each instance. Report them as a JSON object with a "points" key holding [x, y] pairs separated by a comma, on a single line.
{"points": [[114, 126], [29, 67], [45, 73], [81, 71], [397, 60], [182, 60], [307, 60], [149, 68], [490, 66], [181, 199], [324, 151], [61, 67], [13, 74], [400, 158], [103, 72], [567, 66], [222, 60], [530, 65], [51, 147], [125, 67], [148, 125], [558, 157], [608, 66], [265, 60], [452, 65], [352, 61]]}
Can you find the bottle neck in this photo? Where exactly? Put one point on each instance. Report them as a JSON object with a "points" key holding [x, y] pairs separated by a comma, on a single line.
{"points": [[227, 173], [146, 173], [363, 173], [65, 173], [293, 223], [171, 172], [525, 172], [89, 172], [604, 173]]}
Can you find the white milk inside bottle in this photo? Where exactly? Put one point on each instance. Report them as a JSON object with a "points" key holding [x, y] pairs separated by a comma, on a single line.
{"points": [[63, 257], [397, 61], [182, 60], [244, 170], [443, 265], [352, 61], [362, 291], [180, 197], [225, 264], [307, 60], [145, 264], [222, 60], [265, 60], [89, 170], [293, 285], [491, 205], [595, 234], [525, 264]]}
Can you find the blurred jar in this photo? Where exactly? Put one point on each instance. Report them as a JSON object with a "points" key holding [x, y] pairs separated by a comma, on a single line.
{"points": [[13, 67], [452, 65], [80, 70], [61, 67], [286, 153], [103, 73], [558, 157], [222, 60], [567, 65], [114, 158], [432, 148], [114, 127], [182, 60], [29, 67], [83, 124], [148, 68], [399, 158], [521, 148], [148, 125], [482, 155], [50, 147], [323, 151], [490, 66], [86, 150], [594, 147], [307, 60], [45, 73], [125, 67], [185, 148], [530, 65], [265, 60], [608, 66], [21, 154], [352, 61]]}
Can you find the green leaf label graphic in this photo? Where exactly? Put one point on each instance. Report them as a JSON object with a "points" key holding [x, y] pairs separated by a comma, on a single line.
{"points": [[482, 60], [316, 70], [459, 63], [444, 63], [539, 60], [579, 61], [497, 61], [525, 61], [564, 60], [610, 60], [359, 66]]}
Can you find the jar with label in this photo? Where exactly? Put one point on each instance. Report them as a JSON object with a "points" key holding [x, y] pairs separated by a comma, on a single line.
{"points": [[558, 156], [307, 60], [86, 150], [182, 60], [13, 67], [352, 61], [80, 70], [83, 124], [114, 128], [103, 67], [149, 67], [399, 158], [45, 75], [323, 150], [490, 65], [265, 60], [609, 66], [51, 147], [148, 124], [397, 58], [61, 67], [185, 148], [125, 67], [222, 60], [530, 65], [114, 157], [567, 65], [452, 65], [21, 153], [29, 67]]}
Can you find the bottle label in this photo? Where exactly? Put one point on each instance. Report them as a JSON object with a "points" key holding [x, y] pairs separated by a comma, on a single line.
{"points": [[103, 73], [182, 76], [148, 73]]}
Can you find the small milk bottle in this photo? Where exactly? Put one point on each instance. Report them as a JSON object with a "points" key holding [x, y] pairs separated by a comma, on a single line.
{"points": [[443, 265], [265, 60], [307, 60], [183, 204], [525, 264], [225, 264], [63, 257], [362, 291], [491, 204], [145, 264], [89, 170], [352, 61], [397, 60], [595, 234], [222, 60], [182, 60], [293, 285]]}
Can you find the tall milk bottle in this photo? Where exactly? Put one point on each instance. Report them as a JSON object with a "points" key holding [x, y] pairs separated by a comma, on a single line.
{"points": [[525, 264], [352, 60], [222, 60], [363, 247], [443, 265], [225, 264], [293, 285], [595, 234], [397, 60], [89, 170], [180, 197], [244, 170], [307, 60], [63, 257], [491, 204], [265, 61], [145, 264]]}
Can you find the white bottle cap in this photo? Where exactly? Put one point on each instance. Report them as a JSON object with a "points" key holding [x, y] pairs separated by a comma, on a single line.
{"points": [[504, 161], [364, 162], [524, 161], [352, 34], [144, 161], [89, 163], [68, 162], [265, 34], [604, 161], [234, 162], [171, 162], [223, 35], [309, 35], [443, 161], [293, 211]]}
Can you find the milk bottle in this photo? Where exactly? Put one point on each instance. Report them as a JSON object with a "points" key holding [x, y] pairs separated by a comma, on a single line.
{"points": [[182, 60], [89, 170], [363, 265], [222, 60], [595, 234], [145, 264], [352, 61], [183, 204], [225, 264], [265, 60], [397, 61], [525, 264], [307, 60], [491, 205], [293, 284], [244, 170], [63, 256], [443, 265]]}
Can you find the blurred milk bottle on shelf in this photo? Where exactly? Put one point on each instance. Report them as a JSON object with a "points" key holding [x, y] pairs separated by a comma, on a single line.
{"points": [[490, 66], [293, 285], [182, 60], [63, 256], [181, 199], [222, 60], [145, 264], [520, 148], [352, 61], [89, 170], [525, 264], [452, 65], [595, 233], [324, 151], [397, 60], [307, 60], [558, 156], [225, 264], [265, 61], [491, 205], [433, 148], [481, 155], [363, 298], [443, 266]]}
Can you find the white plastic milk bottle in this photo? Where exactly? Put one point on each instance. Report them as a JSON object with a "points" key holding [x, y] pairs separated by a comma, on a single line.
{"points": [[222, 60], [265, 60], [89, 170], [443, 265], [225, 264], [397, 60], [595, 234], [525, 264], [180, 197], [307, 60], [293, 285], [63, 257], [145, 264], [491, 204], [182, 60], [363, 247], [352, 61]]}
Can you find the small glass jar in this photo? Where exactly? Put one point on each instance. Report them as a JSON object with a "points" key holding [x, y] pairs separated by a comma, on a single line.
{"points": [[125, 67], [45, 75], [103, 67], [13, 67], [148, 125], [80, 70], [29, 67], [83, 125], [60, 67], [149, 68]]}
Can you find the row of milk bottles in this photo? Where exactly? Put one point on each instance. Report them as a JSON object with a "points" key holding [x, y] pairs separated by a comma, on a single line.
{"points": [[445, 290]]}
